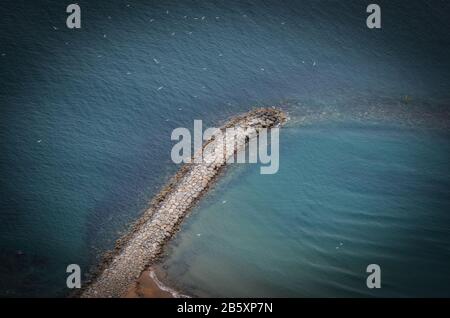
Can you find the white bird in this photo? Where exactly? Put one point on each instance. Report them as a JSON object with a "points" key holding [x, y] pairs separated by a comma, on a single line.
{"points": [[156, 61], [160, 88], [39, 141]]}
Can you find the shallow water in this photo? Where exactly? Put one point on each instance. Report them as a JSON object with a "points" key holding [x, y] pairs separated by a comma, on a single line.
{"points": [[347, 195]]}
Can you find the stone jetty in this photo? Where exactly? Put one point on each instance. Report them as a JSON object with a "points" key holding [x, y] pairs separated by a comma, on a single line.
{"points": [[143, 245]]}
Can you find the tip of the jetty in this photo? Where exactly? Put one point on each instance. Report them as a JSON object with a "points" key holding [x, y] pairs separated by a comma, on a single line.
{"points": [[270, 111], [263, 116]]}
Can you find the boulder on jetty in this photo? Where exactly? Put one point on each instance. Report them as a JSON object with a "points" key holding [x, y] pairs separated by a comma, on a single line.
{"points": [[143, 245]]}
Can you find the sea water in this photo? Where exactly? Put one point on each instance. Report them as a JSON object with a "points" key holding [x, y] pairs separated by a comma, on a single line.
{"points": [[86, 117], [346, 195]]}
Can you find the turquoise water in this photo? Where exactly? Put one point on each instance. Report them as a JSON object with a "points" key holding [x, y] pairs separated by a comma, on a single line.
{"points": [[85, 132], [347, 195]]}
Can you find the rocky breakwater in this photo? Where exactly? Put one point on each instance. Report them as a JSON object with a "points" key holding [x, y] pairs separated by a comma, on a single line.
{"points": [[143, 245]]}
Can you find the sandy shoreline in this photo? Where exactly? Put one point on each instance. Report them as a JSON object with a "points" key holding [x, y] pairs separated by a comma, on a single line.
{"points": [[149, 286], [123, 271]]}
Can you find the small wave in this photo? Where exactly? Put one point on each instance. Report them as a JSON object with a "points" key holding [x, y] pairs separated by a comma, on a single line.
{"points": [[165, 288]]}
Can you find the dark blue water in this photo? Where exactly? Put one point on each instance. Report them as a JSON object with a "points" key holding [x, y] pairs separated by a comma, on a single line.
{"points": [[85, 132]]}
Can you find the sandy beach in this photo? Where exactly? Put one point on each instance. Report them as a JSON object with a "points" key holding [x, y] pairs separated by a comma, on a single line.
{"points": [[148, 286]]}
